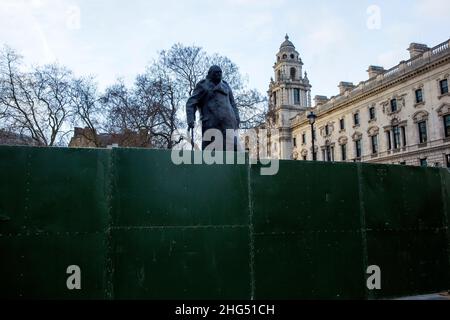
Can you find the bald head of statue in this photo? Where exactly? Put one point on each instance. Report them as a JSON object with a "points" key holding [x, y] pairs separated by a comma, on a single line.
{"points": [[215, 74]]}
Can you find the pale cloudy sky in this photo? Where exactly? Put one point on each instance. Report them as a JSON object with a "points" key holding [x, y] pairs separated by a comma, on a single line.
{"points": [[337, 40]]}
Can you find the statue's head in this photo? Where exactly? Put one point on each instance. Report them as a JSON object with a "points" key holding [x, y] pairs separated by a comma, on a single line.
{"points": [[215, 74]]}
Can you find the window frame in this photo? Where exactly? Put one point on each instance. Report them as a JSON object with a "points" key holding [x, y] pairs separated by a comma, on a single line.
{"points": [[394, 105], [297, 96], [446, 119], [417, 95], [358, 149], [342, 124], [389, 139], [372, 113], [344, 152], [441, 87], [374, 143], [356, 119], [423, 162], [423, 134], [396, 134]]}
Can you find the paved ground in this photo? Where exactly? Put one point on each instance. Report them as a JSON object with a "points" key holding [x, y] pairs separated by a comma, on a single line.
{"points": [[436, 296]]}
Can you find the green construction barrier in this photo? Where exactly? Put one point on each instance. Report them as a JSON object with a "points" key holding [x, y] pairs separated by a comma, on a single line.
{"points": [[141, 227]]}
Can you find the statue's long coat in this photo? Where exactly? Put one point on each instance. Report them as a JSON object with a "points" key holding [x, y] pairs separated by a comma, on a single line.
{"points": [[216, 104]]}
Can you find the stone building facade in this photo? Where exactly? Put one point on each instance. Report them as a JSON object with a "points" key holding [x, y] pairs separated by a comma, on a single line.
{"points": [[8, 138], [397, 116], [87, 138]]}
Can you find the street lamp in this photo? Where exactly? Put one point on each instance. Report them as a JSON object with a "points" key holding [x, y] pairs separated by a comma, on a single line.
{"points": [[312, 119]]}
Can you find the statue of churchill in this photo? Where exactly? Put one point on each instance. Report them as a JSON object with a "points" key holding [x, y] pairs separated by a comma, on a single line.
{"points": [[214, 99]]}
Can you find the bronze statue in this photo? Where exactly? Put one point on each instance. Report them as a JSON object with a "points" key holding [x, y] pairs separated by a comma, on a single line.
{"points": [[214, 99]]}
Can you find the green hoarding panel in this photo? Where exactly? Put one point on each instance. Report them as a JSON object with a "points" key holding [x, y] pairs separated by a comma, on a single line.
{"points": [[35, 266], [13, 186], [399, 197], [312, 265], [406, 236], [411, 263], [68, 190], [55, 201], [53, 190], [306, 219], [149, 190], [306, 196], [181, 263]]}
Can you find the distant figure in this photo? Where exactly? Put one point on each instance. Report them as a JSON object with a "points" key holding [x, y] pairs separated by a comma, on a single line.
{"points": [[214, 98]]}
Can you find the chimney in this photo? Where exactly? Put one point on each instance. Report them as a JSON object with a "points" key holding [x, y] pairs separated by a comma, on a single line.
{"points": [[345, 86], [375, 71], [417, 49], [78, 131], [319, 100]]}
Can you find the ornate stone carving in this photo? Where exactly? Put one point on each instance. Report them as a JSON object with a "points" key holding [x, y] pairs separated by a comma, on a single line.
{"points": [[373, 131], [443, 110], [357, 136], [304, 153], [343, 140], [420, 116]]}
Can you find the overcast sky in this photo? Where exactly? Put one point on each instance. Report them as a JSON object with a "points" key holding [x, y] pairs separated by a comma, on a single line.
{"points": [[337, 40]]}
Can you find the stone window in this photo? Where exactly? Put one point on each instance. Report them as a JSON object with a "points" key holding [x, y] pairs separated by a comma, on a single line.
{"points": [[342, 124], [423, 162], [403, 128], [374, 140], [294, 141], [422, 132], [293, 73], [443, 85], [327, 154], [389, 141], [344, 152], [447, 126], [356, 119], [419, 96], [396, 135], [304, 138], [372, 114], [327, 130], [394, 107], [358, 149], [296, 96]]}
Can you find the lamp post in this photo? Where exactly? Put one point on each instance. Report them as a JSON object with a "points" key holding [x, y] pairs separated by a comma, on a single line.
{"points": [[312, 119]]}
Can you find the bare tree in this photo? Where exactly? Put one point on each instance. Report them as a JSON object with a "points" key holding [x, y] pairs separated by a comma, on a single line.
{"points": [[186, 66], [86, 108], [35, 103]]}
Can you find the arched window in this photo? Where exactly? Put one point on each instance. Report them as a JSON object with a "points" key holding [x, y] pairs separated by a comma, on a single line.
{"points": [[279, 74], [293, 73], [284, 56]]}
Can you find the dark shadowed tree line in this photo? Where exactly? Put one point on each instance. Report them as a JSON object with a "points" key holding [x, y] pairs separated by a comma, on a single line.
{"points": [[47, 102]]}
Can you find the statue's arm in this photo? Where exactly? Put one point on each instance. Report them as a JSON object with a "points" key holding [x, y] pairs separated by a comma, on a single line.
{"points": [[235, 108], [193, 103]]}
